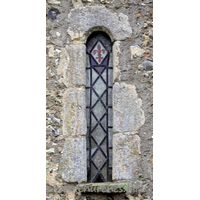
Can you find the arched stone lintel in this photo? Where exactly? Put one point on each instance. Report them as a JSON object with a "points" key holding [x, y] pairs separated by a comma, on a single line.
{"points": [[85, 20], [98, 28]]}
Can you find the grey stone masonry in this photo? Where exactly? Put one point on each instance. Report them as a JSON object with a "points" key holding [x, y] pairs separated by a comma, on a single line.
{"points": [[75, 70], [128, 115], [71, 69], [116, 70], [74, 122], [126, 150], [73, 166], [82, 20]]}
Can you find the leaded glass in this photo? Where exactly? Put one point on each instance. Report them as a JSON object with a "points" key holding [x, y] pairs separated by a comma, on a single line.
{"points": [[98, 134], [99, 107]]}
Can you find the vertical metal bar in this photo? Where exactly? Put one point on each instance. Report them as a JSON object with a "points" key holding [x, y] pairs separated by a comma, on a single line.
{"points": [[107, 118], [90, 176]]}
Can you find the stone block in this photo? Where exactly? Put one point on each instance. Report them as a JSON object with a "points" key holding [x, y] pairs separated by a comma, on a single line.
{"points": [[82, 20], [50, 50], [75, 71], [116, 70], [147, 65], [128, 115], [77, 3], [72, 67], [136, 51], [73, 167], [126, 150], [74, 122]]}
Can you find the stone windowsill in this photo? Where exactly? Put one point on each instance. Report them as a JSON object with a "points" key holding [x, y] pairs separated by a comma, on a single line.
{"points": [[106, 187]]}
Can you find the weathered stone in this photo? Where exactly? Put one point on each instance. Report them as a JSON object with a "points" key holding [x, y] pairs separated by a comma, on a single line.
{"points": [[55, 132], [88, 1], [105, 187], [64, 63], [50, 50], [145, 43], [50, 150], [73, 167], [77, 3], [128, 115], [145, 25], [136, 51], [126, 150], [83, 20], [147, 65], [58, 51], [116, 70], [58, 34], [118, 3], [72, 65], [151, 33], [71, 195], [140, 67], [145, 37], [54, 2], [74, 122], [54, 119], [138, 14], [133, 1], [130, 197]]}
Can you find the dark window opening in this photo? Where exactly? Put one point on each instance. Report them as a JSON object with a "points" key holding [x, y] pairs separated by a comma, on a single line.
{"points": [[99, 72]]}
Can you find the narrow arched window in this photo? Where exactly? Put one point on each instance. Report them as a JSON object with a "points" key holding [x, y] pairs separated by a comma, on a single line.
{"points": [[99, 72]]}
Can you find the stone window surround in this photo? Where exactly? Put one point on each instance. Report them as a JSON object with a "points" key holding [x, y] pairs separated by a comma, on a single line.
{"points": [[128, 115]]}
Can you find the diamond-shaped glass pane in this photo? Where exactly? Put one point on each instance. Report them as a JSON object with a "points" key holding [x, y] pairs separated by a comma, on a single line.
{"points": [[99, 52], [99, 86], [98, 134], [99, 110], [99, 159]]}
